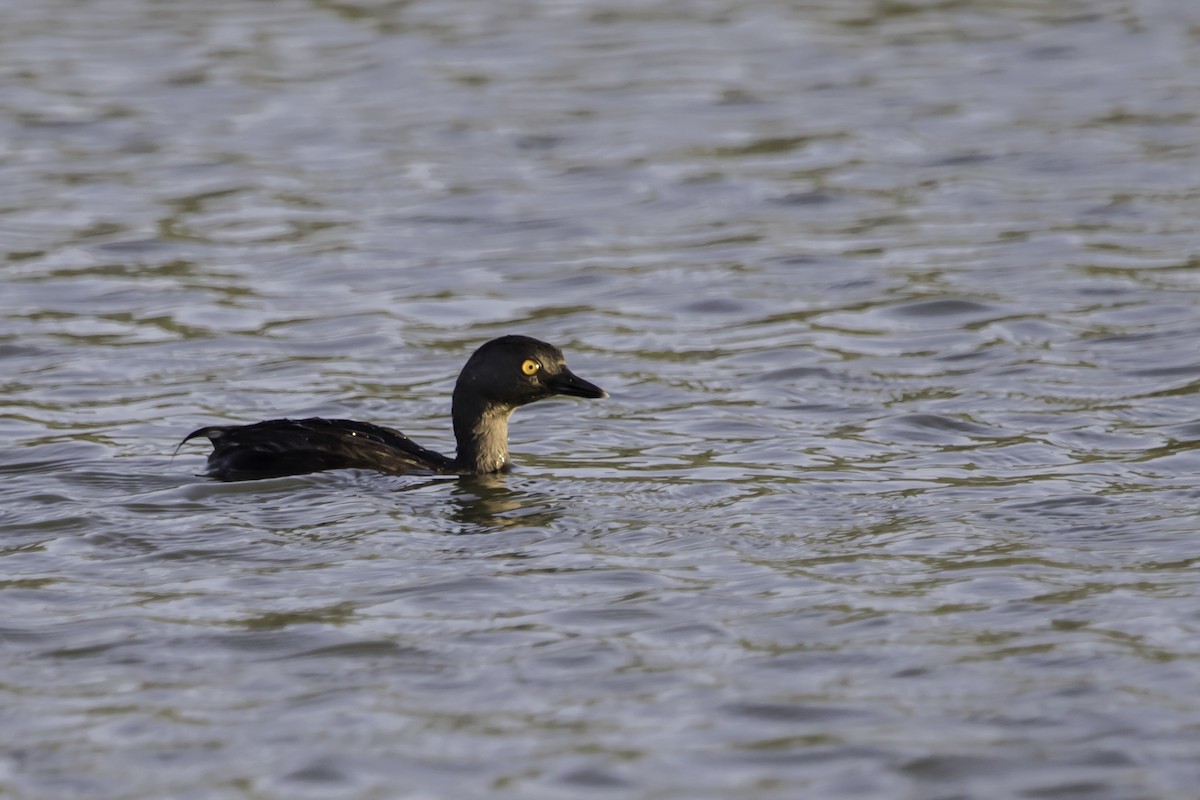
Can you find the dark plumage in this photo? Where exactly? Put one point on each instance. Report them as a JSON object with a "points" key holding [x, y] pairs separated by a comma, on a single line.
{"points": [[500, 376]]}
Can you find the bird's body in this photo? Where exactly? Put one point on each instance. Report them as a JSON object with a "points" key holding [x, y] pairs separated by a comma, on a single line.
{"points": [[279, 447], [500, 376]]}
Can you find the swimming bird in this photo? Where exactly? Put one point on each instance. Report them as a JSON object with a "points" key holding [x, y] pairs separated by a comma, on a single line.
{"points": [[501, 376]]}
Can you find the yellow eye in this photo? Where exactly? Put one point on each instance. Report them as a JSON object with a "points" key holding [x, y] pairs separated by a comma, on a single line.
{"points": [[529, 366]]}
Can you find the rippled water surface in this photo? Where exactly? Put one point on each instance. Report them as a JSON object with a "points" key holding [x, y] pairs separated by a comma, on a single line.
{"points": [[895, 495]]}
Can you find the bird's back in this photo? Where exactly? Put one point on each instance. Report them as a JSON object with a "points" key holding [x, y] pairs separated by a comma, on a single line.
{"points": [[281, 447]]}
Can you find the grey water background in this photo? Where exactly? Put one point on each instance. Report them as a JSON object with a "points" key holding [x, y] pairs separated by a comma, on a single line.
{"points": [[895, 495]]}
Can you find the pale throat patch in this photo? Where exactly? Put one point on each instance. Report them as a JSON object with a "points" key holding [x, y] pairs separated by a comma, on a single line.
{"points": [[491, 439]]}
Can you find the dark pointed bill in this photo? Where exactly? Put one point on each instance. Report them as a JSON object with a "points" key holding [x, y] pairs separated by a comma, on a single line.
{"points": [[567, 382]]}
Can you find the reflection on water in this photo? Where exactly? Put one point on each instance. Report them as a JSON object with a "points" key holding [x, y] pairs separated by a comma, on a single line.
{"points": [[486, 504], [894, 495]]}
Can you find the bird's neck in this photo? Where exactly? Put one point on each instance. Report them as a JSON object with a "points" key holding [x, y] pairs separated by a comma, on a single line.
{"points": [[482, 433]]}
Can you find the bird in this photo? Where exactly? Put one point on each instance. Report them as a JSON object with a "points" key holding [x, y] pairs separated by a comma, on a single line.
{"points": [[499, 377]]}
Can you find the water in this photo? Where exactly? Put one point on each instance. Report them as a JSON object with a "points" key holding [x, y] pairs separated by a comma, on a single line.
{"points": [[895, 494]]}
